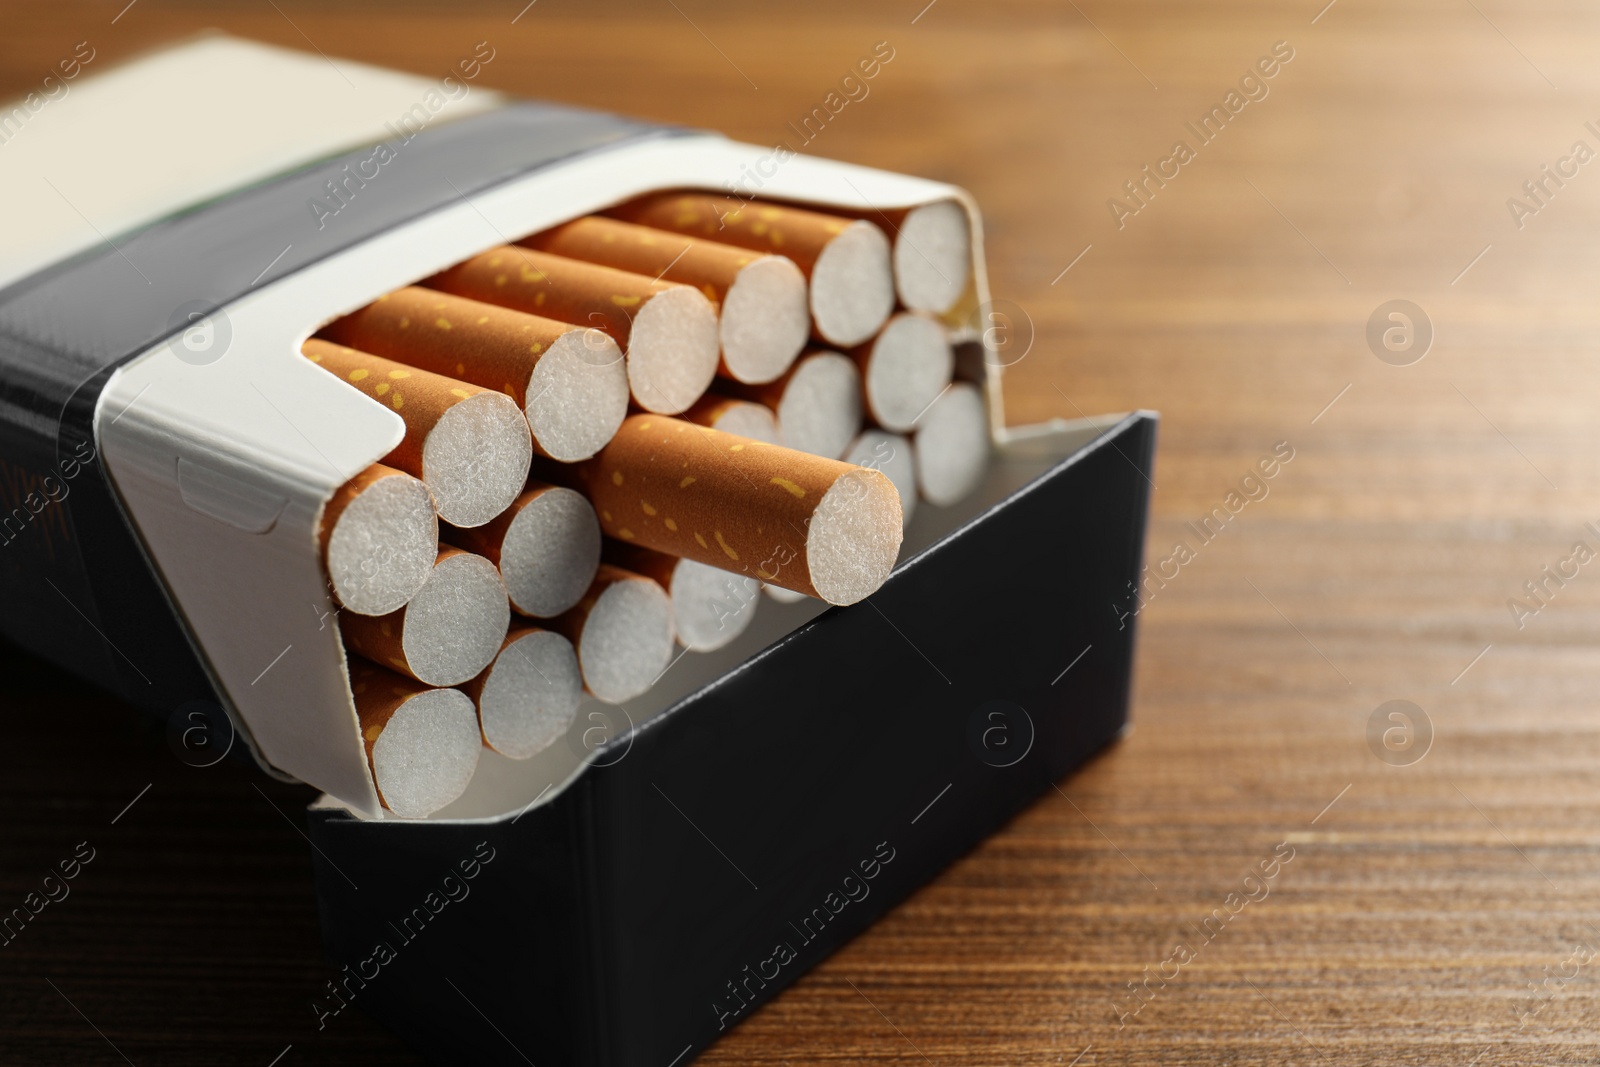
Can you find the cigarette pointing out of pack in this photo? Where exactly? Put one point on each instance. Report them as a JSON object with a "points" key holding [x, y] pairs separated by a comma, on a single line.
{"points": [[380, 537], [882, 451], [570, 380], [847, 261], [667, 331], [422, 743], [447, 633], [817, 526], [764, 315], [469, 445]]}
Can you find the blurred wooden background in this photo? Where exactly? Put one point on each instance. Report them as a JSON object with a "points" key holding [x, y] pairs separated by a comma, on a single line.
{"points": [[1439, 911]]}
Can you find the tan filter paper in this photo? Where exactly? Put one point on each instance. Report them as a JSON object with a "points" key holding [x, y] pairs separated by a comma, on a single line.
{"points": [[762, 297], [847, 261], [570, 381], [668, 331], [817, 526], [470, 445], [422, 744], [380, 536]]}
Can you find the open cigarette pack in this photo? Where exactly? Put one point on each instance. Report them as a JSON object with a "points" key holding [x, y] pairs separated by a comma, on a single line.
{"points": [[618, 524]]}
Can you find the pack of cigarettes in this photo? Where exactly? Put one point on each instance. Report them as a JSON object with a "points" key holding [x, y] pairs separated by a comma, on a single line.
{"points": [[602, 507]]}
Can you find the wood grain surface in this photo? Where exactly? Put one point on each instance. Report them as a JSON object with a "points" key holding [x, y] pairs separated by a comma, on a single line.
{"points": [[1439, 906]]}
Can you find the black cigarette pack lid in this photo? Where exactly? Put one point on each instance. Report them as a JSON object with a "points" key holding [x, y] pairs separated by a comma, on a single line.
{"points": [[625, 897]]}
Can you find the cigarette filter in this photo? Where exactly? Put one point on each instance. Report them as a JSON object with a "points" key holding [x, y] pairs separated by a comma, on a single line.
{"points": [[570, 380], [668, 331], [448, 632], [528, 697], [422, 744], [622, 629], [904, 368], [742, 417], [814, 525], [818, 403], [847, 261], [932, 253], [379, 540], [952, 445], [764, 316], [710, 606], [546, 544], [469, 445], [892, 454]]}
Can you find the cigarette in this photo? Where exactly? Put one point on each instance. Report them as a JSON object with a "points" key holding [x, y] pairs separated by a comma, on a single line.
{"points": [[847, 261], [571, 382], [379, 540], [932, 255], [447, 633], [546, 544], [765, 317], [470, 446], [877, 450], [742, 417], [952, 445], [422, 744], [904, 368], [667, 330], [892, 454], [622, 630], [710, 606], [528, 697], [807, 523], [818, 403]]}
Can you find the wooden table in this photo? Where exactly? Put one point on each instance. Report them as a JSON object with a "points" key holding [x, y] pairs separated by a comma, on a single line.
{"points": [[1438, 909]]}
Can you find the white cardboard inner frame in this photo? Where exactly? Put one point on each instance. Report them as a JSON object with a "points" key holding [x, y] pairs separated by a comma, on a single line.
{"points": [[225, 468]]}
